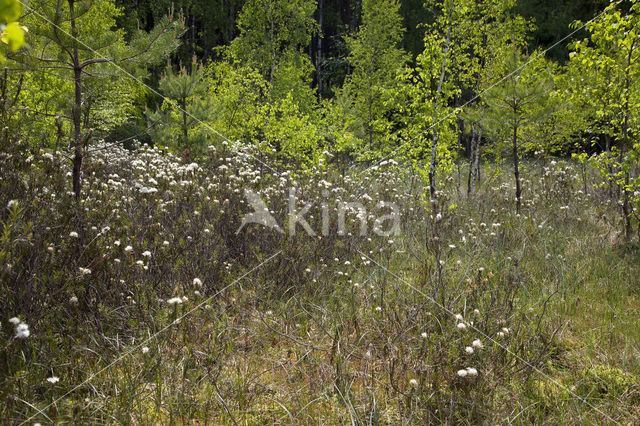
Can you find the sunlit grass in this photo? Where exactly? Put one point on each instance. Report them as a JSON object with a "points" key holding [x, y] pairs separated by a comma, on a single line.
{"points": [[334, 330]]}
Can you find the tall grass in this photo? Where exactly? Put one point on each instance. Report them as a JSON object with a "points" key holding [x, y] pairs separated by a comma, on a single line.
{"points": [[215, 327]]}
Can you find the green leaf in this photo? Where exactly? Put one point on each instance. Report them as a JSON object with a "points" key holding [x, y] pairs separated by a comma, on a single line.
{"points": [[13, 35]]}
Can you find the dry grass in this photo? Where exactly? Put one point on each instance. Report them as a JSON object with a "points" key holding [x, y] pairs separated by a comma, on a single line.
{"points": [[330, 330]]}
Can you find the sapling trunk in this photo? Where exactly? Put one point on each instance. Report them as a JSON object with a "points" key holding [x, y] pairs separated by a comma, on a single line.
{"points": [[516, 170], [471, 153], [319, 47], [434, 143], [77, 107], [476, 161]]}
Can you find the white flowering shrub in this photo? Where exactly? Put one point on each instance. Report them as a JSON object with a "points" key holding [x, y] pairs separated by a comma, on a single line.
{"points": [[148, 295]]}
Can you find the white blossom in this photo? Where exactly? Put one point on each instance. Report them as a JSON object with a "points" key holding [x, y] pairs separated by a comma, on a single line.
{"points": [[22, 331]]}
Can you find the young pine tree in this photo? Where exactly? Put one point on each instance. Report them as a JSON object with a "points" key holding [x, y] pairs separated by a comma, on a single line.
{"points": [[186, 106], [512, 107], [77, 40]]}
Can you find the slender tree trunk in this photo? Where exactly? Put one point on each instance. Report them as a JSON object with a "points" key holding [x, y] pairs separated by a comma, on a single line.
{"points": [[516, 170], [472, 142], [626, 208], [370, 118], [4, 96], [273, 47], [607, 144], [185, 128], [77, 132], [319, 46], [434, 142], [459, 147], [77, 107], [476, 162]]}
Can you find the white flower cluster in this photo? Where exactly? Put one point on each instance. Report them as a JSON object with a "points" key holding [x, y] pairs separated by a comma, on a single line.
{"points": [[469, 349], [469, 371], [21, 329]]}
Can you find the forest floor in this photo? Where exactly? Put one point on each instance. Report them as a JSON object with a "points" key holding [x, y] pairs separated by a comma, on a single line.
{"points": [[144, 305]]}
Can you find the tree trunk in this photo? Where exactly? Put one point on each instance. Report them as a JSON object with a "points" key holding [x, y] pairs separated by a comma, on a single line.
{"points": [[607, 144], [77, 107], [459, 147], [272, 69], [319, 46], [370, 120], [434, 142], [476, 161], [185, 128], [472, 142], [626, 208], [516, 170], [77, 133]]}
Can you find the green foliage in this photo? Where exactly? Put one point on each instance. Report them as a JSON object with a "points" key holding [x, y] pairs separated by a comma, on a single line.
{"points": [[261, 92], [603, 71], [180, 119], [113, 102], [273, 34], [518, 103], [340, 126], [290, 131], [244, 108], [237, 94], [421, 104], [377, 60], [109, 99], [11, 32], [485, 33], [604, 76], [597, 382], [154, 245]]}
